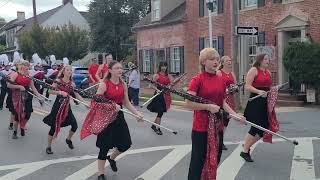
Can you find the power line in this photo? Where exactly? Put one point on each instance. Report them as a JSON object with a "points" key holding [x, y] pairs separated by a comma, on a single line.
{"points": [[5, 3]]}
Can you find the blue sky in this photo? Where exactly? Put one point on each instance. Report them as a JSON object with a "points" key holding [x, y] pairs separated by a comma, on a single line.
{"points": [[9, 8]]}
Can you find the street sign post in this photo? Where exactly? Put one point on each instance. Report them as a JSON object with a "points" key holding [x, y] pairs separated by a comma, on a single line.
{"points": [[250, 31]]}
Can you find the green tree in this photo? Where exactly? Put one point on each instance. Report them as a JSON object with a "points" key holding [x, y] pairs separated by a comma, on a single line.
{"points": [[302, 61], [67, 41], [111, 23]]}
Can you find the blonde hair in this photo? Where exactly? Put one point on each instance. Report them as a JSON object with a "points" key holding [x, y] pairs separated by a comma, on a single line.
{"points": [[61, 73], [205, 54], [25, 63], [222, 61]]}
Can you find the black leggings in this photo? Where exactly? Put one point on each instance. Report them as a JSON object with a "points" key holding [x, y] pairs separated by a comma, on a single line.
{"points": [[199, 152], [104, 152], [74, 127], [160, 114]]}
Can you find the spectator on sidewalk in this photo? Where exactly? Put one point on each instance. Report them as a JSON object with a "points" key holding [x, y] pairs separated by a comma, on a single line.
{"points": [[134, 84]]}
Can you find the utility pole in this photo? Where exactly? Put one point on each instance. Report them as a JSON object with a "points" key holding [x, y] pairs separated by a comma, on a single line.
{"points": [[236, 51], [211, 5], [34, 11]]}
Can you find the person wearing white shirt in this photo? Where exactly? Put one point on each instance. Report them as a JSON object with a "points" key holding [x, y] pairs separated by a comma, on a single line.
{"points": [[134, 85], [5, 72]]}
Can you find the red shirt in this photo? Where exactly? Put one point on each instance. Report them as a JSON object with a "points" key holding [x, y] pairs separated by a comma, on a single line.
{"points": [[114, 92], [22, 80], [263, 80], [163, 79], [104, 70], [211, 87], [65, 89], [93, 68], [227, 77]]}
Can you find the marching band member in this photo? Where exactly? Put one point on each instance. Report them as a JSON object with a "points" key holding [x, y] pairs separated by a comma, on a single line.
{"points": [[225, 71], [162, 102], [258, 81], [206, 146], [103, 68], [61, 114], [20, 101], [110, 134]]}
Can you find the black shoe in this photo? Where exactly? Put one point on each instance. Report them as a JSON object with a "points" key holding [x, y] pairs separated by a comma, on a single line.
{"points": [[48, 150], [1, 108], [246, 156], [22, 132], [224, 147], [113, 164], [154, 128], [159, 132], [14, 135], [10, 126], [70, 145], [101, 177]]}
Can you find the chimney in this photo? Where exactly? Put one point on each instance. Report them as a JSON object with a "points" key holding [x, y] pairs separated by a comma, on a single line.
{"points": [[21, 15], [64, 2]]}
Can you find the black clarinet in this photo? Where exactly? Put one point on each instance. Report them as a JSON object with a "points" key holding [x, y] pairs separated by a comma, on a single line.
{"points": [[220, 115]]}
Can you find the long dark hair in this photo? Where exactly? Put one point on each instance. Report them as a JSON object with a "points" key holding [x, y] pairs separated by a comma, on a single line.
{"points": [[110, 66], [163, 63], [259, 59]]}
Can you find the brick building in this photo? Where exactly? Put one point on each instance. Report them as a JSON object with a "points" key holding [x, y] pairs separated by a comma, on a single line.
{"points": [[176, 30]]}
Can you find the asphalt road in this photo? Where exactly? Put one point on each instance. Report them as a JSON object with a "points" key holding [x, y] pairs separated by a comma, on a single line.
{"points": [[163, 157]]}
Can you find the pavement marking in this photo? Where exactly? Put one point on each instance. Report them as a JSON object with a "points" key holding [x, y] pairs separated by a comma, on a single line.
{"points": [[165, 164], [301, 157], [302, 161], [233, 163]]}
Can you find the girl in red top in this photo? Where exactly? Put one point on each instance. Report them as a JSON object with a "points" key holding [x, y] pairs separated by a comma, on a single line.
{"points": [[61, 114], [93, 68], [161, 103], [19, 100], [258, 81], [229, 78], [103, 68], [208, 85], [116, 134]]}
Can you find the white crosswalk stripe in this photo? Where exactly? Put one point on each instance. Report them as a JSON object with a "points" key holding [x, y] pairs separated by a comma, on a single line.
{"points": [[303, 165]]}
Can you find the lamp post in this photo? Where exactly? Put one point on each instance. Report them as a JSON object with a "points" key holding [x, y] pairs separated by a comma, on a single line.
{"points": [[211, 5]]}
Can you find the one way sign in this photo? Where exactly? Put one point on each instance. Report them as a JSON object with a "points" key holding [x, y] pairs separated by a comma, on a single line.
{"points": [[247, 30]]}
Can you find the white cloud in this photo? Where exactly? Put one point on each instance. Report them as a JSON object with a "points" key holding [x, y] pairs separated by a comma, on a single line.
{"points": [[9, 10]]}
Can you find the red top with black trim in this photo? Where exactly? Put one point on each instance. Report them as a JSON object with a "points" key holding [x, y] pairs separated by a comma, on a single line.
{"points": [[93, 68], [227, 77], [22, 80], [114, 92], [64, 89], [211, 87], [263, 80], [104, 70]]}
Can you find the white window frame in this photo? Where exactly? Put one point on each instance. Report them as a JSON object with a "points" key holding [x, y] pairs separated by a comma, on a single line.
{"points": [[214, 43], [252, 43], [175, 60], [291, 1], [206, 9], [247, 4], [156, 10], [146, 60]]}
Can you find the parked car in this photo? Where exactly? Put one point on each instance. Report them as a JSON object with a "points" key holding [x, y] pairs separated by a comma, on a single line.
{"points": [[80, 77]]}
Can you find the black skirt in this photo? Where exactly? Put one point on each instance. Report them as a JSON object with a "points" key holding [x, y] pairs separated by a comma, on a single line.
{"points": [[50, 120], [27, 104], [115, 135], [158, 104], [256, 112]]}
